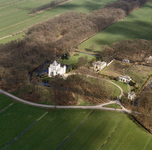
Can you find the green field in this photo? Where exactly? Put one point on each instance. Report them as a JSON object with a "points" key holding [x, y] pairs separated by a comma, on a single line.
{"points": [[106, 129], [15, 17], [136, 25], [74, 59]]}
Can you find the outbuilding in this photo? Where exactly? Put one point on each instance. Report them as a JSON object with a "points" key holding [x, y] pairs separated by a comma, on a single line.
{"points": [[131, 95], [125, 79], [98, 66]]}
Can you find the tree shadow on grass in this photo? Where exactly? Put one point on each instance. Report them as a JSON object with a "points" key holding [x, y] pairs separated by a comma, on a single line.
{"points": [[124, 30]]}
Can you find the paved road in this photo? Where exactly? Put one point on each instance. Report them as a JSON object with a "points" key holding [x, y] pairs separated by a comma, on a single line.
{"points": [[69, 107]]}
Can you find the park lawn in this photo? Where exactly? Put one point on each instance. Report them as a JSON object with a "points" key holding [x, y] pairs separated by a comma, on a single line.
{"points": [[140, 74], [124, 86], [111, 129], [116, 69], [74, 59], [109, 86], [116, 106], [82, 102], [15, 15], [138, 24], [115, 90]]}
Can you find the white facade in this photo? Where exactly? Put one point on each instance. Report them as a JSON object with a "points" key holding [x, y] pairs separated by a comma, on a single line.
{"points": [[149, 59], [125, 79], [131, 95], [126, 60], [56, 69], [99, 65]]}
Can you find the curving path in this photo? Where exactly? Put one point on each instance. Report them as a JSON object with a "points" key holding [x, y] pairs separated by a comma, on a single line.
{"points": [[121, 94], [70, 107]]}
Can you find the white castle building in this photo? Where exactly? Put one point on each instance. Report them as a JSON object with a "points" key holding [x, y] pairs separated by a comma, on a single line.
{"points": [[56, 69], [99, 65]]}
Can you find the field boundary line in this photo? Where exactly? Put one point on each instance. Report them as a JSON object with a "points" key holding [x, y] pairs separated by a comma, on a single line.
{"points": [[147, 143], [18, 23], [47, 133], [6, 107], [10, 122], [5, 37], [11, 12], [74, 131], [51, 7], [24, 131], [14, 3], [125, 139], [8, 3], [42, 116], [109, 136], [19, 135]]}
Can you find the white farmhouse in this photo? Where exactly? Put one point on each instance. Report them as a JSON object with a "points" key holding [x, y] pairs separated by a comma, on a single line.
{"points": [[149, 59], [125, 79], [126, 60], [56, 69], [131, 95], [99, 65]]}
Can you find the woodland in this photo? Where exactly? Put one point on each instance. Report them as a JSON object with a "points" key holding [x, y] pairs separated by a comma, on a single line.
{"points": [[45, 41], [133, 50], [59, 35]]}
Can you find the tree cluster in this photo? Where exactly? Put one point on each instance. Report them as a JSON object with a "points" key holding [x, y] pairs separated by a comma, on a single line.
{"points": [[145, 108], [66, 92], [45, 41], [134, 50]]}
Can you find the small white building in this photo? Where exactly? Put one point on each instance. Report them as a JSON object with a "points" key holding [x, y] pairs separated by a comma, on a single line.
{"points": [[99, 65], [149, 59], [125, 79], [126, 60], [131, 95], [56, 69]]}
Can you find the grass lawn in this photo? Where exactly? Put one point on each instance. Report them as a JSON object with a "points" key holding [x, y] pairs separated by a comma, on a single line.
{"points": [[106, 129], [124, 86], [15, 17], [136, 25], [74, 59], [82, 102], [116, 106], [116, 69], [109, 86]]}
